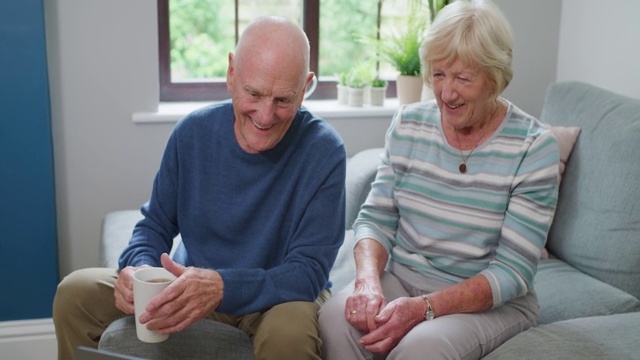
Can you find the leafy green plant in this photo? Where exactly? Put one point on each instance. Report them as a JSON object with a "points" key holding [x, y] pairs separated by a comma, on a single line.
{"points": [[342, 78], [361, 74], [379, 83], [402, 49], [435, 6]]}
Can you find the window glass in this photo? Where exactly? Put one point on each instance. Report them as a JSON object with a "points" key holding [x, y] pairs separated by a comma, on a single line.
{"points": [[343, 25], [349, 29], [197, 35], [203, 32]]}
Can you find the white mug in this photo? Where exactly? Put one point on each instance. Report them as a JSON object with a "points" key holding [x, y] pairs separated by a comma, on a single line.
{"points": [[311, 87], [147, 283]]}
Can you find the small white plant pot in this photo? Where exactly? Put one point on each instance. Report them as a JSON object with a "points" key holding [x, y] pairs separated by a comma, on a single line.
{"points": [[343, 94], [377, 96], [356, 97]]}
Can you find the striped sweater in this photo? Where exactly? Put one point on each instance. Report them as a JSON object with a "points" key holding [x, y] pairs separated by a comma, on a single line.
{"points": [[447, 226]]}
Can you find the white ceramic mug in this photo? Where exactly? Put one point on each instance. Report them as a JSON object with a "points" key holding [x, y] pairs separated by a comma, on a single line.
{"points": [[147, 283], [311, 87]]}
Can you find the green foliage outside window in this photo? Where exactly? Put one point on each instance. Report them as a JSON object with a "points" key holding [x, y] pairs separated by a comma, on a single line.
{"points": [[342, 23], [201, 38], [203, 32]]}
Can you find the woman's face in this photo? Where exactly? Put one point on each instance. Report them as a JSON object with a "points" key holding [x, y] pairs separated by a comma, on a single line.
{"points": [[464, 94]]}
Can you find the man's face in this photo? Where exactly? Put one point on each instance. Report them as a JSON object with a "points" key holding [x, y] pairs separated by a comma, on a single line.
{"points": [[266, 96]]}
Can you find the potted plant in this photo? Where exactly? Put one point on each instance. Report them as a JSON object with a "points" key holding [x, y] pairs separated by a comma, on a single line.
{"points": [[378, 92], [341, 86], [359, 78], [402, 50]]}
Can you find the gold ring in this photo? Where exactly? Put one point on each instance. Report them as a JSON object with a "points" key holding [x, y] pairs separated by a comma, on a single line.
{"points": [[353, 312]]}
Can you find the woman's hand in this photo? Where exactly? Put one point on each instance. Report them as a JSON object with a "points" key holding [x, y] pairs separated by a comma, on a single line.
{"points": [[365, 304], [368, 298], [393, 323]]}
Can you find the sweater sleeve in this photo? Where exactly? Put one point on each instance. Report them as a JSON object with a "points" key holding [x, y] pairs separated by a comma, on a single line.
{"points": [[532, 204]]}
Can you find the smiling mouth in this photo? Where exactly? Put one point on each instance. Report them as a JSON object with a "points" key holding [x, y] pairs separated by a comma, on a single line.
{"points": [[453, 107], [261, 127]]}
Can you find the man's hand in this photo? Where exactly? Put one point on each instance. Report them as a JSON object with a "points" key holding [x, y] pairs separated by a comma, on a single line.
{"points": [[123, 291], [191, 297]]}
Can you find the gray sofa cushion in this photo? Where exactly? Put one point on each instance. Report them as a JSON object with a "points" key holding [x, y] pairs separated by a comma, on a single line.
{"points": [[361, 171], [564, 293], [206, 339], [611, 337], [597, 221], [344, 268]]}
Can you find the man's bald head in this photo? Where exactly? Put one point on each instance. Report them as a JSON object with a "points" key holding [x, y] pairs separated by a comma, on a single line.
{"points": [[274, 38]]}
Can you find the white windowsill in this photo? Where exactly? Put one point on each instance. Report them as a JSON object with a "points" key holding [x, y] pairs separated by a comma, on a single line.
{"points": [[171, 112]]}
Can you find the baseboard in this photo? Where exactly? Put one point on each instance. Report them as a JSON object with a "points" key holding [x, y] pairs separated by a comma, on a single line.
{"points": [[28, 340]]}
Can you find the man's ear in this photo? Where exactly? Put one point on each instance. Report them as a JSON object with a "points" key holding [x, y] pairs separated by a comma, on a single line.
{"points": [[230, 73]]}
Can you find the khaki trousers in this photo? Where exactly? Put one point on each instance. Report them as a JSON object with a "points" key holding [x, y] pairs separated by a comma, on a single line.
{"points": [[84, 306]]}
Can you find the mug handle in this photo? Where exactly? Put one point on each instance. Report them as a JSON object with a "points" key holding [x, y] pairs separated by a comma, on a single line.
{"points": [[311, 87]]}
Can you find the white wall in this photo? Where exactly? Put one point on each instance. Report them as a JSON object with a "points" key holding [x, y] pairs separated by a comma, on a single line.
{"points": [[103, 68], [600, 44], [536, 24]]}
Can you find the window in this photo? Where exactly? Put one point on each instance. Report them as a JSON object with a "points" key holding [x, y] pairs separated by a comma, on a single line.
{"points": [[195, 37]]}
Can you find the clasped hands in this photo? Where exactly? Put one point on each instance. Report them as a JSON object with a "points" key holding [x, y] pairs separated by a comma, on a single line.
{"points": [[192, 296], [385, 324]]}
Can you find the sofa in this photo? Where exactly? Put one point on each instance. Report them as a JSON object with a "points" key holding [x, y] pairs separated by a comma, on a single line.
{"points": [[588, 279]]}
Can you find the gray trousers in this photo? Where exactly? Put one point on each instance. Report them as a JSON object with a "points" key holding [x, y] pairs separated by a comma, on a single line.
{"points": [[457, 336]]}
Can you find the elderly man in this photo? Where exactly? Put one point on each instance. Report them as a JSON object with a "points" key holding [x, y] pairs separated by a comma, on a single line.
{"points": [[255, 187]]}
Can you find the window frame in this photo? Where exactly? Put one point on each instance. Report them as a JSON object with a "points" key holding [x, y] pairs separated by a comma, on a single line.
{"points": [[212, 91]]}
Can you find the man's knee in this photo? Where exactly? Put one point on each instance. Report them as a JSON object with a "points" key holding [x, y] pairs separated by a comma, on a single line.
{"points": [[83, 288], [289, 331]]}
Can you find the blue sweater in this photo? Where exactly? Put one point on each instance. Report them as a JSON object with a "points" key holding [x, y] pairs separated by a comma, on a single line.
{"points": [[270, 223]]}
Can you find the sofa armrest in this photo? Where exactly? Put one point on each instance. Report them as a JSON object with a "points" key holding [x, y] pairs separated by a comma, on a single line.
{"points": [[361, 171], [117, 227]]}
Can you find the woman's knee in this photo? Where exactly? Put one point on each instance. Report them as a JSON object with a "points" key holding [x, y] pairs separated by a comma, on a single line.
{"points": [[416, 345], [335, 331], [333, 309]]}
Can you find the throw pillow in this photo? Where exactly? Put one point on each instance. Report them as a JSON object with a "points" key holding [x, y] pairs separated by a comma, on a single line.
{"points": [[566, 137]]}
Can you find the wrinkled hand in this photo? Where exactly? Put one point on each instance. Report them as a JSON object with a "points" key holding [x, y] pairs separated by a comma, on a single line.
{"points": [[123, 290], [393, 323], [192, 296], [364, 305]]}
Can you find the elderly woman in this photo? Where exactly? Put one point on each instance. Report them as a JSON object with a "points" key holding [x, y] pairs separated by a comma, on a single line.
{"points": [[449, 238]]}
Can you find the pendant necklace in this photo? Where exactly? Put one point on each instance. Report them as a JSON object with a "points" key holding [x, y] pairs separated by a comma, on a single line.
{"points": [[463, 167]]}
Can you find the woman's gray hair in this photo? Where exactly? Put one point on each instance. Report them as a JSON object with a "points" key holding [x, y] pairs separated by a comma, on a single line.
{"points": [[476, 33]]}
